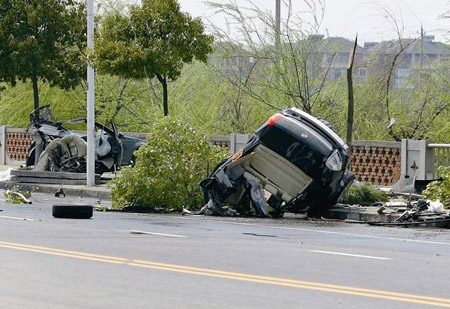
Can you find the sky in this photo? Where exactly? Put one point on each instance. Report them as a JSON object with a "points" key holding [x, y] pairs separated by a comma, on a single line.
{"points": [[346, 18]]}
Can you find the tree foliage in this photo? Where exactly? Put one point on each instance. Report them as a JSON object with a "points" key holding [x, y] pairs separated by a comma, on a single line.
{"points": [[168, 169], [246, 83], [278, 72], [155, 39], [42, 39]]}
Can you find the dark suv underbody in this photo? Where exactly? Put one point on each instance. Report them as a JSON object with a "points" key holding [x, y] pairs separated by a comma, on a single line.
{"points": [[293, 163]]}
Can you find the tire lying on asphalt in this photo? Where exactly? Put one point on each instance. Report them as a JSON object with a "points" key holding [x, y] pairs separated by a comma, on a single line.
{"points": [[73, 211]]}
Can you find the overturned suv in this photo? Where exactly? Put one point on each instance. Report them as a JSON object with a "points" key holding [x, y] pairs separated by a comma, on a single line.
{"points": [[293, 163]]}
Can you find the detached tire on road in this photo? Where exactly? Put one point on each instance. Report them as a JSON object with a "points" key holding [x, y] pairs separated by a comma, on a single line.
{"points": [[73, 211]]}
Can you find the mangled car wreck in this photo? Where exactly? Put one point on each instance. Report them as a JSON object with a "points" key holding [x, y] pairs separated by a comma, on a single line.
{"points": [[55, 148], [293, 163]]}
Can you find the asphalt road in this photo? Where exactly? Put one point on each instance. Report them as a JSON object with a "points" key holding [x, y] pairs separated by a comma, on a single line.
{"points": [[119, 260]]}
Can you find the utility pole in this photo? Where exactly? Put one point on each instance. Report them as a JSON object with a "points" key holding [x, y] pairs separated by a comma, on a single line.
{"points": [[278, 40], [277, 22], [90, 158], [421, 54], [421, 48]]}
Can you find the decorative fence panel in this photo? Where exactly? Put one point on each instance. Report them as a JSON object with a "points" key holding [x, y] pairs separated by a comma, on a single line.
{"points": [[378, 163], [14, 146]]}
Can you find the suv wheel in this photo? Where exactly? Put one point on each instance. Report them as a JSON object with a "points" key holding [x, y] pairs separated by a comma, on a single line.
{"points": [[327, 124]]}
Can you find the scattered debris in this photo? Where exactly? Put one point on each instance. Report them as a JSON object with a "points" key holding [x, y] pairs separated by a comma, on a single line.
{"points": [[5, 175], [420, 213], [101, 208], [185, 212], [397, 203], [143, 209], [293, 163], [60, 192], [436, 207], [381, 210]]}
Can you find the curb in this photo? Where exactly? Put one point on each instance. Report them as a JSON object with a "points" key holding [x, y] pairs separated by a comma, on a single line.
{"points": [[82, 191], [361, 214]]}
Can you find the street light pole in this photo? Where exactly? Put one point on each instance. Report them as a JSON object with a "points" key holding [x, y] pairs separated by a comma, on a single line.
{"points": [[277, 22], [90, 158]]}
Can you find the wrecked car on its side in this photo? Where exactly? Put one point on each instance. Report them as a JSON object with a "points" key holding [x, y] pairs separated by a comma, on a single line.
{"points": [[293, 163]]}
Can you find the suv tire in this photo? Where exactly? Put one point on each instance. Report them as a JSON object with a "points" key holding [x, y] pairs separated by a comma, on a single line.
{"points": [[327, 124], [73, 211]]}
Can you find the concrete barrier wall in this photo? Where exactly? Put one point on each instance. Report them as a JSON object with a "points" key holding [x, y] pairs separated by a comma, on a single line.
{"points": [[222, 141], [2, 145], [375, 162]]}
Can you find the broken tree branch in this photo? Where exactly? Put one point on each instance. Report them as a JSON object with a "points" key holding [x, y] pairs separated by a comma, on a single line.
{"points": [[350, 113]]}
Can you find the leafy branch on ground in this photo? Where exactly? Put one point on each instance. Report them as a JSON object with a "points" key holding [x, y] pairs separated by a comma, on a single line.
{"points": [[17, 196], [364, 194]]}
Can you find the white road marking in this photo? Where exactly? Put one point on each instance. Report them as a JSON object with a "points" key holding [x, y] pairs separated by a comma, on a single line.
{"points": [[352, 255], [17, 218], [337, 233], [156, 234], [366, 236]]}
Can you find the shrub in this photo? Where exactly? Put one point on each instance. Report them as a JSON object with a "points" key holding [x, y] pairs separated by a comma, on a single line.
{"points": [[364, 194], [440, 190], [168, 169]]}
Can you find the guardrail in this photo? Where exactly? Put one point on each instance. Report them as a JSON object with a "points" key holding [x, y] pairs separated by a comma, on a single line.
{"points": [[441, 157]]}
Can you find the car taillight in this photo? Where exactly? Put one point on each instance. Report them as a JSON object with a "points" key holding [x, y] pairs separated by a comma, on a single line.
{"points": [[274, 119]]}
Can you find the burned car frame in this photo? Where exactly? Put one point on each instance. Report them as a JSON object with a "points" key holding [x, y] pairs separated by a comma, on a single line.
{"points": [[293, 163]]}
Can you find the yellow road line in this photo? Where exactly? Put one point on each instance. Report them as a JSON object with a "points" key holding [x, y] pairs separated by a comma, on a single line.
{"points": [[315, 284], [278, 282], [74, 254], [402, 297]]}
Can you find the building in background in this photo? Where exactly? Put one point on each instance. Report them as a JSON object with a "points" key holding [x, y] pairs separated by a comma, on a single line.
{"points": [[328, 58], [413, 57]]}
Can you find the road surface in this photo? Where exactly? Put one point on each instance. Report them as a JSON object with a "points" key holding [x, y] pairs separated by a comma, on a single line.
{"points": [[122, 260]]}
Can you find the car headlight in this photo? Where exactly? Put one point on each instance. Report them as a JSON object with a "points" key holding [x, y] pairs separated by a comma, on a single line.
{"points": [[334, 161]]}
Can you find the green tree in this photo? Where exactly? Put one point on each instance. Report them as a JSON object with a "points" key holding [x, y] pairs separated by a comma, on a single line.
{"points": [[168, 168], [42, 39], [276, 67], [155, 39]]}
